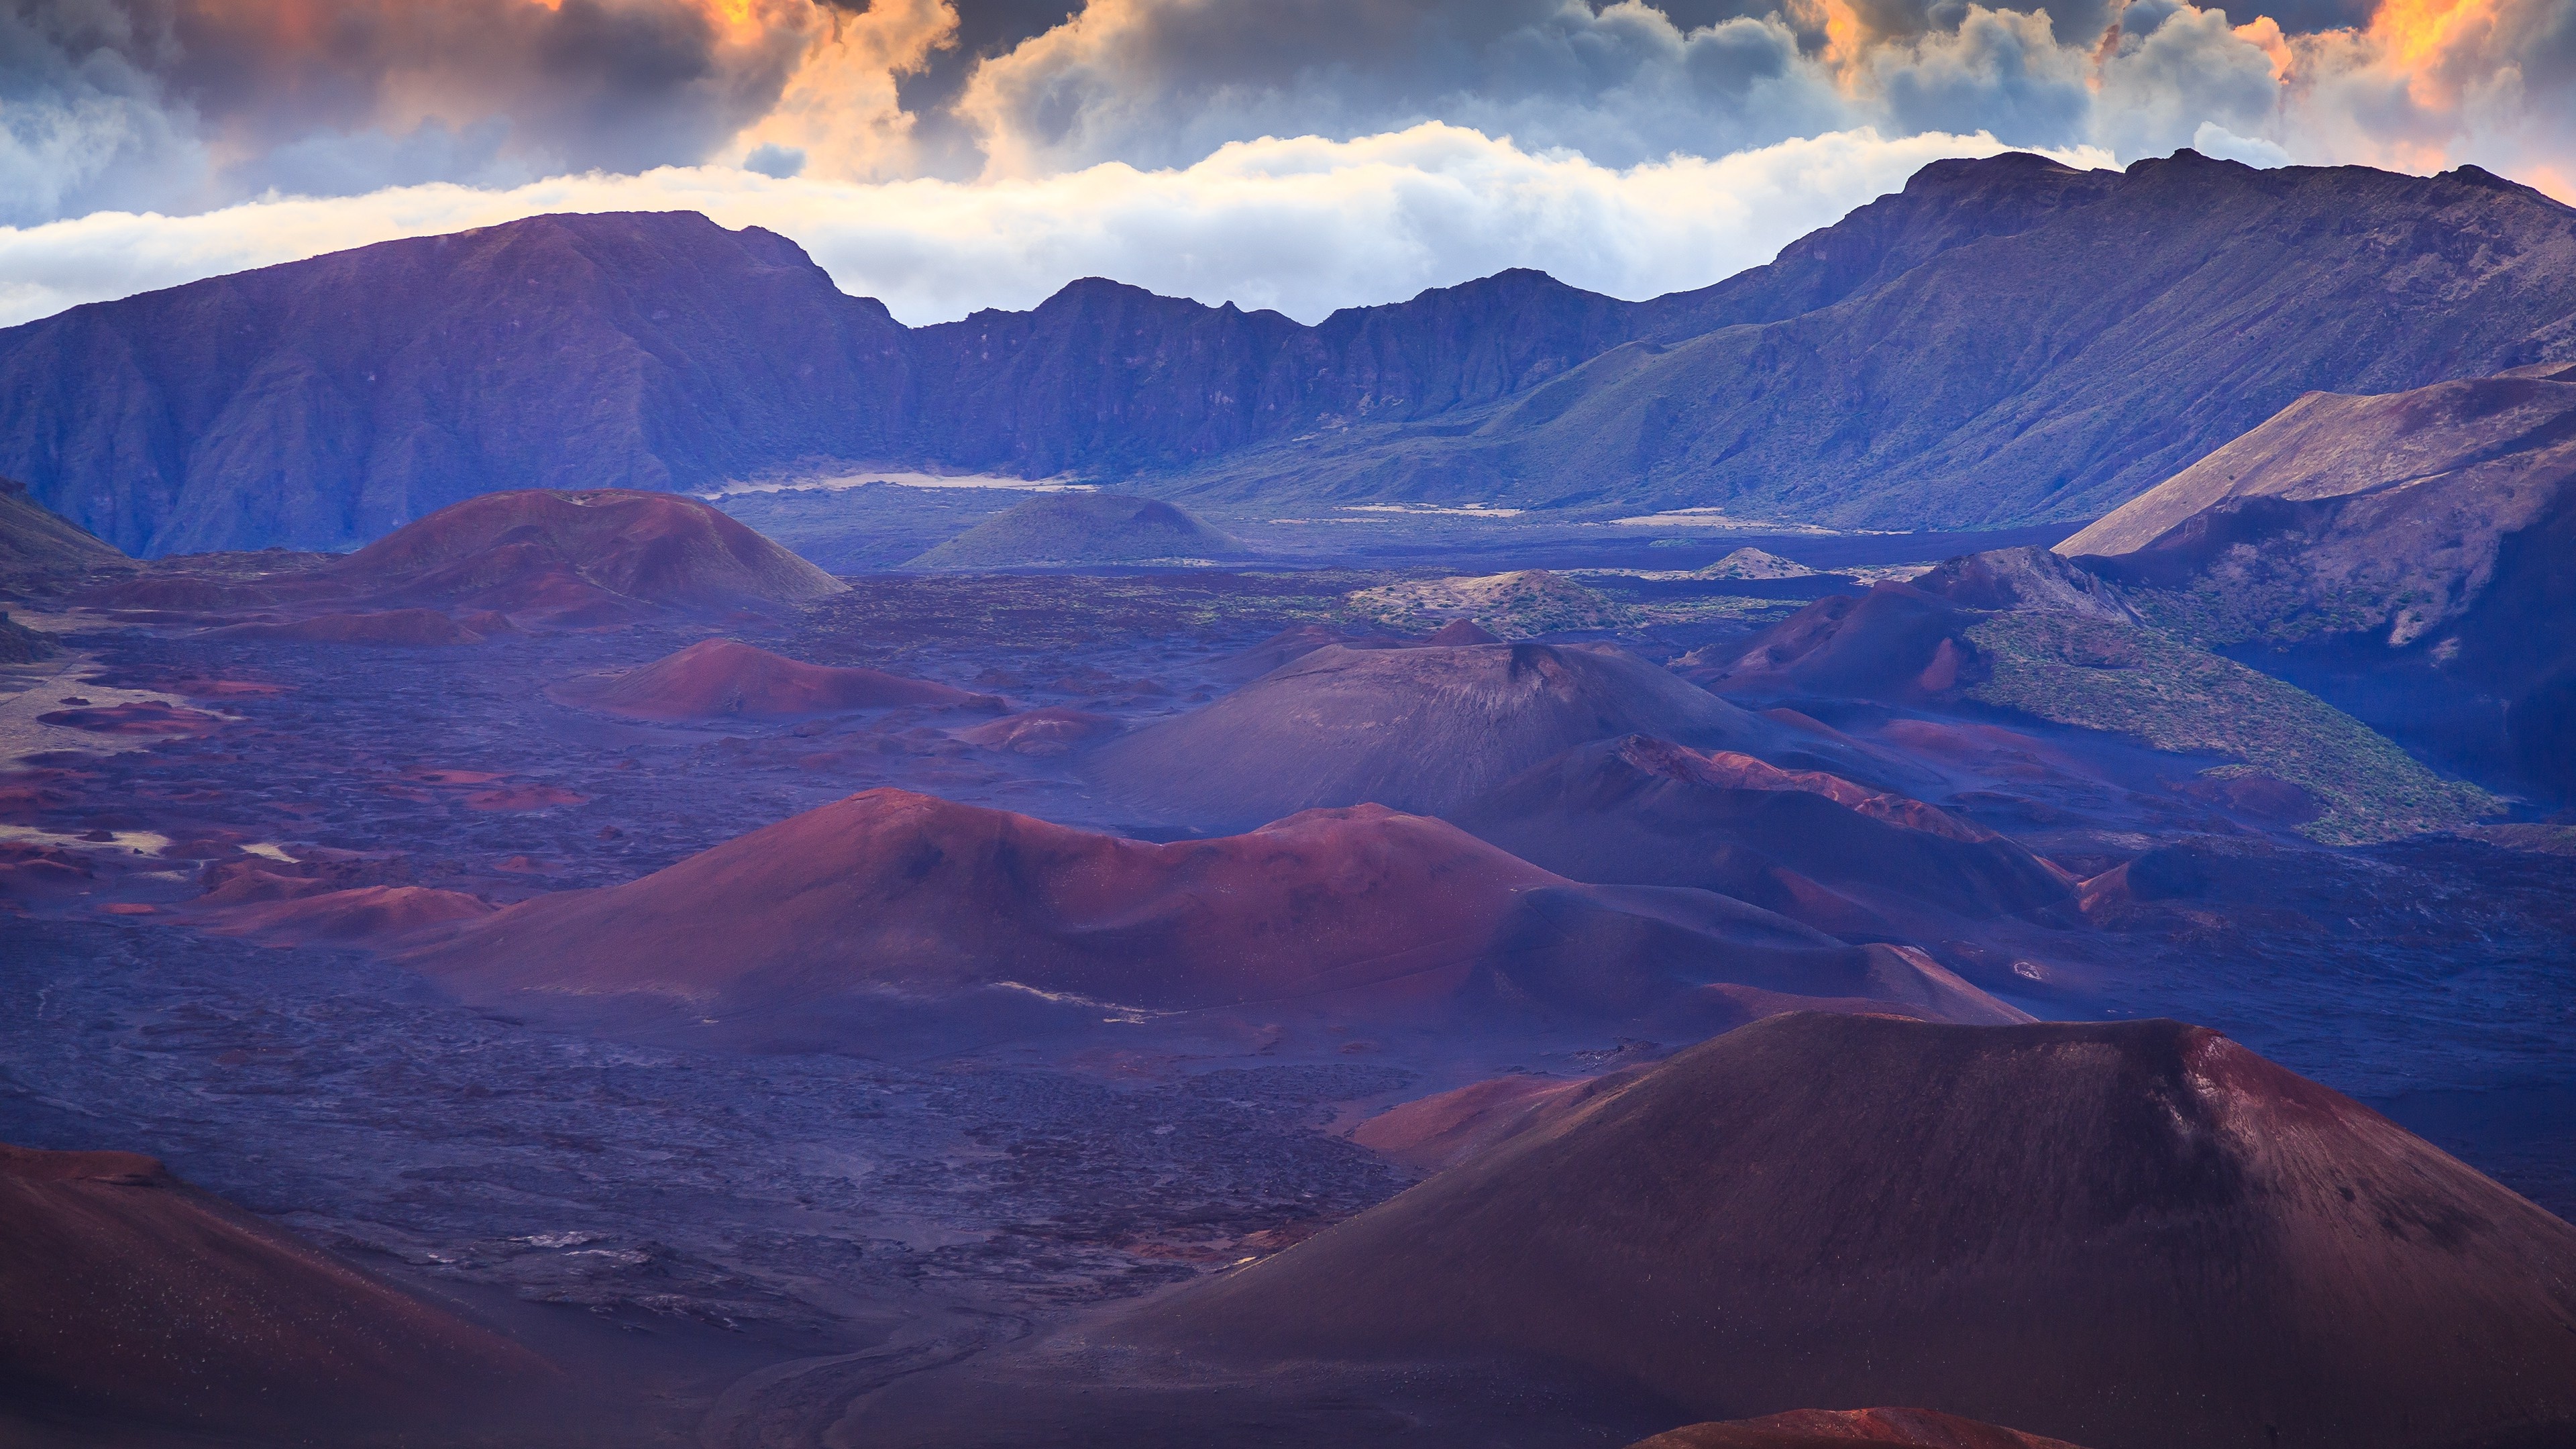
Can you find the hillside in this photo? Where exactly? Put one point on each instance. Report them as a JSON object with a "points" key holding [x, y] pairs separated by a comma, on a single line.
{"points": [[324, 403], [2129, 1235], [2105, 330], [1423, 729], [41, 550], [2004, 341], [140, 1302], [879, 915], [2403, 554]]}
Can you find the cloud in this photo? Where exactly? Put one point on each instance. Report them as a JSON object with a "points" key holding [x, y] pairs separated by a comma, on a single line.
{"points": [[1305, 225], [182, 104], [957, 153], [1162, 82]]}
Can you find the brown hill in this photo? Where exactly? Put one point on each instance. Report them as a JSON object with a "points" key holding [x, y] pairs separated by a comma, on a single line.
{"points": [[571, 560], [1838, 1428], [1641, 811], [2134, 1234], [546, 549], [888, 892], [137, 1300], [1424, 729], [727, 679], [2033, 580], [374, 915]]}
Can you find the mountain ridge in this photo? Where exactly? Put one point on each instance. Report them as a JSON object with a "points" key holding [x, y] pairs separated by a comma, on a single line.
{"points": [[2003, 340]]}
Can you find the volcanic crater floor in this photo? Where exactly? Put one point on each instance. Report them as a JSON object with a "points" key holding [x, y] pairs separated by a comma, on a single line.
{"points": [[777, 1232]]}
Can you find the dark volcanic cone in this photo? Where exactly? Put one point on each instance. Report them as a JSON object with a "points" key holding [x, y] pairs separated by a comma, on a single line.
{"points": [[134, 1299], [1424, 729], [1644, 812], [1896, 642], [2132, 1236], [726, 679]]}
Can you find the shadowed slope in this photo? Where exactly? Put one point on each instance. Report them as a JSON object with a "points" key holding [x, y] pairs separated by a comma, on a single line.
{"points": [[1640, 811], [1422, 729], [136, 1299], [889, 896], [2088, 336], [2127, 1235], [725, 678], [2408, 551], [41, 549], [322, 403]]}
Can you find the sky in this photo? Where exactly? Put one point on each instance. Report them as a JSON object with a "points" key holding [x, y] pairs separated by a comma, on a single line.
{"points": [[945, 155]]}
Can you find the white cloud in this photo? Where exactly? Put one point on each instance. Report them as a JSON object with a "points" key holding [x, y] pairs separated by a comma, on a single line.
{"points": [[1303, 225], [2216, 141]]}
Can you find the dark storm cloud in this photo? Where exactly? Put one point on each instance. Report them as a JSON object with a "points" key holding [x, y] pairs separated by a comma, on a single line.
{"points": [[1159, 83], [985, 28], [335, 96]]}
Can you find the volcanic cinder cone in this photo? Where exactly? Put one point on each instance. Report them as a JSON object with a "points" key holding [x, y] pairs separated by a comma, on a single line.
{"points": [[1646, 812], [891, 894], [553, 550], [135, 1299], [2131, 1236], [727, 679]]}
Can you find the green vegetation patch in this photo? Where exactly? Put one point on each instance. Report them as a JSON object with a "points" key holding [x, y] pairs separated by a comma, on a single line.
{"points": [[2249, 598], [1514, 605], [2140, 682], [1708, 608]]}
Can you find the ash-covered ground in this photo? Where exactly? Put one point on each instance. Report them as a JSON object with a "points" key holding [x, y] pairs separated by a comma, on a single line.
{"points": [[837, 1218]]}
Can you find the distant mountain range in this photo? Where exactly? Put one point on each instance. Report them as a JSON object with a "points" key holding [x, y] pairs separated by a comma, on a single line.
{"points": [[2005, 341]]}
